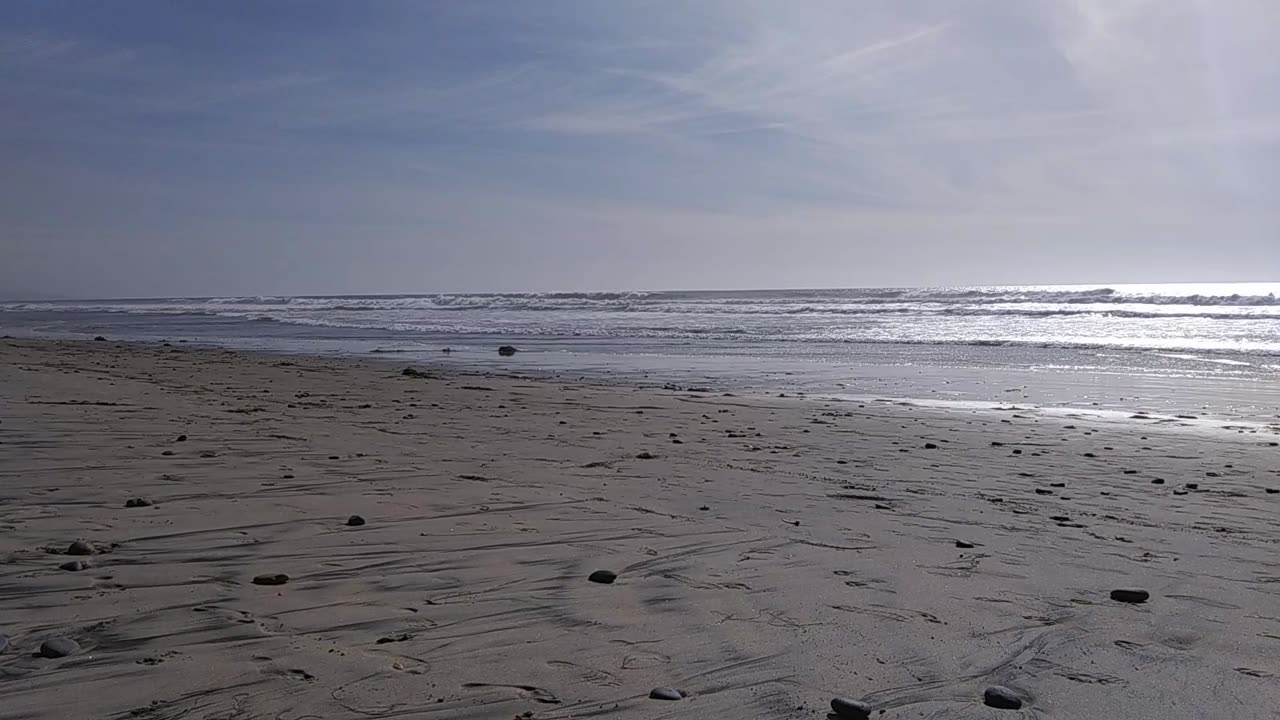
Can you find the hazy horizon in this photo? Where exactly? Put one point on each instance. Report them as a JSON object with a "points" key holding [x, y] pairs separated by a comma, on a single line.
{"points": [[329, 148]]}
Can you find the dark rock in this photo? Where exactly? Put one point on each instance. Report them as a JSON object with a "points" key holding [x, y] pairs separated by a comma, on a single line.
{"points": [[645, 456], [99, 338], [1017, 452], [355, 521], [1130, 596], [665, 693], [1179, 492], [167, 453], [1157, 481], [58, 647], [1043, 491], [412, 372], [74, 565], [1193, 486], [850, 709], [271, 579], [1058, 484], [1001, 697], [604, 577], [704, 508], [137, 503], [180, 438], [964, 545], [930, 446], [1272, 491], [507, 350], [80, 547]]}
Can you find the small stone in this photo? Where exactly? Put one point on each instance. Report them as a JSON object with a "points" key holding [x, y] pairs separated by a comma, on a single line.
{"points": [[964, 545], [167, 453], [1001, 698], [355, 521], [1272, 491], [1043, 491], [1130, 596], [271, 579], [58, 647], [665, 693], [507, 350], [1157, 481], [930, 446], [180, 438], [1057, 484], [99, 338], [1179, 492], [851, 709], [137, 503], [1193, 486], [604, 577], [412, 372], [80, 547], [704, 508], [645, 456], [74, 565]]}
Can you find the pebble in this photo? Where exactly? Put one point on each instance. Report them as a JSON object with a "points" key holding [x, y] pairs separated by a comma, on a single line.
{"points": [[1272, 491], [1130, 596], [851, 709], [80, 547], [271, 579], [963, 545], [604, 577], [137, 503], [58, 647], [1001, 697], [645, 456], [930, 446], [355, 521], [180, 438], [665, 693], [1157, 481], [74, 565], [1043, 491], [1193, 486]]}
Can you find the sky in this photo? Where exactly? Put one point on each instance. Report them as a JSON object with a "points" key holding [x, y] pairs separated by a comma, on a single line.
{"points": [[225, 147]]}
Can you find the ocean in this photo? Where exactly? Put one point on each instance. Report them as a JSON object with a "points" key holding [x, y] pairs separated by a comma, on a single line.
{"points": [[1181, 346]]}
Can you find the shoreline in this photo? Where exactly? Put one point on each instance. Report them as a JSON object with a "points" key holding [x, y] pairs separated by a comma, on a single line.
{"points": [[771, 552]]}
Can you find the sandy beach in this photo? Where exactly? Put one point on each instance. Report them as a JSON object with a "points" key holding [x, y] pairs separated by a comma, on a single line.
{"points": [[770, 553]]}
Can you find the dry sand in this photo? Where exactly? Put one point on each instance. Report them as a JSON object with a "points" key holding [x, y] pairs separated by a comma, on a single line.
{"points": [[785, 551]]}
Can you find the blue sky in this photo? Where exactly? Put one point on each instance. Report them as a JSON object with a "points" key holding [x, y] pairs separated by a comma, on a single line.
{"points": [[339, 147]]}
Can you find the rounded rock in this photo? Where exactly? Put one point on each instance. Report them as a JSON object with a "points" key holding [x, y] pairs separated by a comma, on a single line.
{"points": [[271, 579], [80, 547], [1130, 595], [355, 521], [74, 566], [850, 709], [58, 647], [604, 577], [1001, 698], [665, 693]]}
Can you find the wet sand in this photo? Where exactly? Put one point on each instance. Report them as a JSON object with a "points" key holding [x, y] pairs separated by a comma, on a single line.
{"points": [[771, 553]]}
